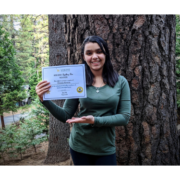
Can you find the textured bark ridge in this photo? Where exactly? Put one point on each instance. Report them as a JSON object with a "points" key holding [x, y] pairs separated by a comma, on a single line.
{"points": [[142, 49], [58, 150]]}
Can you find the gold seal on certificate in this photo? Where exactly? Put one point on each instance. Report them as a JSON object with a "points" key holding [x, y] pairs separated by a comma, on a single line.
{"points": [[67, 82], [79, 89]]}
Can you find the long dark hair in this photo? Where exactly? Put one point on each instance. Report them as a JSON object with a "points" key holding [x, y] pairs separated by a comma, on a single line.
{"points": [[110, 76]]}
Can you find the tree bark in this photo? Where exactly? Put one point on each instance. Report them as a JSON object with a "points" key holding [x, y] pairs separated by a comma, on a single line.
{"points": [[12, 30], [2, 122], [142, 49], [2, 117], [58, 150]]}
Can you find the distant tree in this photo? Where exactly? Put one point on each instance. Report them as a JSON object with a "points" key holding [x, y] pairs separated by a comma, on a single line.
{"points": [[29, 34], [10, 77], [32, 44]]}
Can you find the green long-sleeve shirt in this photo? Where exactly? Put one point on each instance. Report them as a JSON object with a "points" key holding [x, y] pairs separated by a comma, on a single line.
{"points": [[110, 107]]}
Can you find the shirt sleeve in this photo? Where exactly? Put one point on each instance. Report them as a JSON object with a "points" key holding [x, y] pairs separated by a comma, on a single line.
{"points": [[123, 112], [66, 112]]}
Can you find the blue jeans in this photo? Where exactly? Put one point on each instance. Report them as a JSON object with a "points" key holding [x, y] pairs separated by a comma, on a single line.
{"points": [[86, 159]]}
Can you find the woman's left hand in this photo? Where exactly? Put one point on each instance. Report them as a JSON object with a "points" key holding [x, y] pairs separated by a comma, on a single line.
{"points": [[85, 119]]}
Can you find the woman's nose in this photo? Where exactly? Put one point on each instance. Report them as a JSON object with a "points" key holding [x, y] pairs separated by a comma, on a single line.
{"points": [[95, 55]]}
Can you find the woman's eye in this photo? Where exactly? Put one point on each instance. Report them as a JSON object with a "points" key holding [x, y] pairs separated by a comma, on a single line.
{"points": [[99, 52], [88, 53]]}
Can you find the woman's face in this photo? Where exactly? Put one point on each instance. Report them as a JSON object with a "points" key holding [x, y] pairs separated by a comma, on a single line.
{"points": [[94, 56]]}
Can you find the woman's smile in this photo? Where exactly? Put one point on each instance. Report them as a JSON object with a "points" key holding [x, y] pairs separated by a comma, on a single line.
{"points": [[96, 63]]}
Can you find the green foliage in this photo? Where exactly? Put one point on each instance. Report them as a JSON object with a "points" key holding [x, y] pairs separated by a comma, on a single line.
{"points": [[33, 81], [32, 128], [41, 114], [178, 36], [10, 76], [15, 140], [29, 34]]}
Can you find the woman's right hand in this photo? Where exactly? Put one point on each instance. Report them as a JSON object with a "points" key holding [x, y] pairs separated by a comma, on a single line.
{"points": [[41, 88]]}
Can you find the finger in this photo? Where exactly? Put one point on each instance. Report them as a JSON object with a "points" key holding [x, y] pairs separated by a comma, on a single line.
{"points": [[41, 83], [84, 117], [43, 89], [45, 84], [75, 120], [40, 93], [69, 122]]}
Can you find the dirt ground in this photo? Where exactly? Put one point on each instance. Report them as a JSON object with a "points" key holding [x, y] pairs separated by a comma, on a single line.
{"points": [[31, 158]]}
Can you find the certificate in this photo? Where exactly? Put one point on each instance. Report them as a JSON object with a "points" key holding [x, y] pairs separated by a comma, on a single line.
{"points": [[67, 82]]}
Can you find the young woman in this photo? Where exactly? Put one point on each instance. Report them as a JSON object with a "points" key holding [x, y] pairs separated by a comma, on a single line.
{"points": [[92, 139]]}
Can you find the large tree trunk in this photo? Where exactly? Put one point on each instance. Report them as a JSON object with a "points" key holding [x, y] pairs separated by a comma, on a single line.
{"points": [[2, 116], [58, 150], [142, 48], [2, 122]]}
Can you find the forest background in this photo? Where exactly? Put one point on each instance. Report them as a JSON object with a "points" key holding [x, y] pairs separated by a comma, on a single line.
{"points": [[23, 51], [29, 36]]}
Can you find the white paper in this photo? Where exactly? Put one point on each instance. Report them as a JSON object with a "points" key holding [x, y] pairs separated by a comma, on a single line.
{"points": [[67, 82]]}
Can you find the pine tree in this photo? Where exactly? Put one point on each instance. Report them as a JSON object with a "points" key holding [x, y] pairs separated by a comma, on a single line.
{"points": [[33, 81], [10, 77], [32, 46], [29, 34]]}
